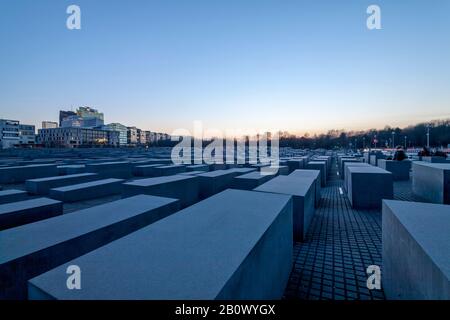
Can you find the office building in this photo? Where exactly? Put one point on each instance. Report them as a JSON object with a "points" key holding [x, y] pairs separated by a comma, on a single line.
{"points": [[77, 137], [49, 124], [9, 133]]}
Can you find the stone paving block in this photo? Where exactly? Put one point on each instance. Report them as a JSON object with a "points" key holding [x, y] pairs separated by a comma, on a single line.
{"points": [[416, 250], [87, 190], [182, 187], [303, 192], [431, 181], [42, 186], [12, 195], [47, 244], [207, 251], [18, 174], [22, 212]]}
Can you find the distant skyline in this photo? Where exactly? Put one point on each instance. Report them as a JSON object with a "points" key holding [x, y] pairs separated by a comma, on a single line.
{"points": [[293, 65]]}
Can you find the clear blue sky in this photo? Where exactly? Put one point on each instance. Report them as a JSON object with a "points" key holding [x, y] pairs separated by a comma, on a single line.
{"points": [[288, 64]]}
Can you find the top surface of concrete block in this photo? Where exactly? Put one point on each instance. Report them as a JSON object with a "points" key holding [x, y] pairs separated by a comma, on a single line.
{"points": [[213, 236], [37, 166], [367, 169], [111, 163], [287, 185], [68, 226], [158, 180], [26, 204], [439, 166], [305, 173], [66, 177], [217, 173], [88, 184], [429, 225]]}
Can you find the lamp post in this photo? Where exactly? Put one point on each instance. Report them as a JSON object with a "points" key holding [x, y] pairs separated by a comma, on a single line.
{"points": [[428, 136], [405, 142], [393, 137]]}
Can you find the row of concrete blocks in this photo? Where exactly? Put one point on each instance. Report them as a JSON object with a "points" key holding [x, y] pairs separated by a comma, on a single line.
{"points": [[238, 245], [301, 186]]}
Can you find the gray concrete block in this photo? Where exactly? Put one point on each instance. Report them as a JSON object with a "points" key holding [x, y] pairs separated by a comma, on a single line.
{"points": [[303, 192], [367, 186], [87, 190], [307, 175], [47, 244], [346, 173], [322, 167], [71, 169], [198, 167], [22, 212], [434, 159], [431, 181], [159, 170], [251, 180], [19, 174], [295, 164], [399, 169], [145, 170], [234, 245], [182, 187], [342, 162], [118, 170], [42, 186], [416, 250], [12, 195], [216, 181]]}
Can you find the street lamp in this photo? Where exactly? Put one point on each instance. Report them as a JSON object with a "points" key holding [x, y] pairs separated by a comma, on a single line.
{"points": [[393, 139], [428, 136]]}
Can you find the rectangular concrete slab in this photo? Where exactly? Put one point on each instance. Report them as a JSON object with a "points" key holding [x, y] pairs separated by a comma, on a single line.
{"points": [[118, 170], [234, 245], [198, 167], [314, 175], [416, 250], [42, 186], [12, 195], [35, 248], [367, 186], [216, 181], [431, 181], [19, 174], [322, 167], [251, 180], [182, 187], [87, 190], [399, 169], [346, 173], [71, 169], [22, 212], [303, 192]]}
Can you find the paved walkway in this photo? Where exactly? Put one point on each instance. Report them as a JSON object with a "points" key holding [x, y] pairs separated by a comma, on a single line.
{"points": [[340, 244]]}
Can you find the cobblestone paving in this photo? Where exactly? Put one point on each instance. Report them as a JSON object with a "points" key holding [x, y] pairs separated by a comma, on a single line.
{"points": [[341, 243]]}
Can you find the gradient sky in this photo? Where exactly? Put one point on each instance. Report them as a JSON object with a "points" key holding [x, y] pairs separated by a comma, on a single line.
{"points": [[287, 64]]}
